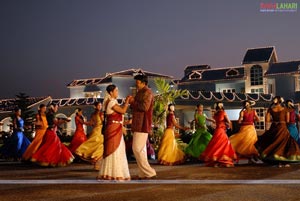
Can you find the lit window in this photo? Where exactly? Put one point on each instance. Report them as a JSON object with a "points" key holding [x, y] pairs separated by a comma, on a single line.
{"points": [[261, 114], [256, 75], [257, 90], [93, 94], [228, 90]]}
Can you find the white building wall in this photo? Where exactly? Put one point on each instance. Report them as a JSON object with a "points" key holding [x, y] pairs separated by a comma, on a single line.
{"points": [[76, 92], [234, 85], [248, 86]]}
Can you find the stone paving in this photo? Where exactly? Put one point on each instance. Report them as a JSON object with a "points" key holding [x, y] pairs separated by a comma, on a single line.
{"points": [[191, 181]]}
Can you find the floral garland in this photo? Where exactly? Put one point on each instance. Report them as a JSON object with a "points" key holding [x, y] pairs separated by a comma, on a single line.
{"points": [[74, 101], [218, 99], [220, 96], [206, 95], [252, 98], [63, 102], [71, 102], [228, 99], [206, 98], [240, 99]]}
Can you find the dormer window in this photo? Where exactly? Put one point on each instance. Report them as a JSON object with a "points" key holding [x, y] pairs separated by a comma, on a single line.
{"points": [[256, 75], [232, 73], [195, 75]]}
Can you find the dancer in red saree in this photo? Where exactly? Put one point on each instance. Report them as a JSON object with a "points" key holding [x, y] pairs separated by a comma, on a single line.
{"points": [[52, 152], [79, 135], [219, 152]]}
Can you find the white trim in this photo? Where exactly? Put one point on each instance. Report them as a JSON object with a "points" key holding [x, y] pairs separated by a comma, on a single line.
{"points": [[195, 72], [232, 70]]}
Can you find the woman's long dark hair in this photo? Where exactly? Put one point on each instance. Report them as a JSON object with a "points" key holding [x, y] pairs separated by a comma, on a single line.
{"points": [[110, 88]]}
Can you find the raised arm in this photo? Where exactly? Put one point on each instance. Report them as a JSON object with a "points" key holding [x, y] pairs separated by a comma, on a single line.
{"points": [[121, 109]]}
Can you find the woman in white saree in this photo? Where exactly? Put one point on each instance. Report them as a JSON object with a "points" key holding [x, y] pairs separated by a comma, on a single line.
{"points": [[115, 164]]}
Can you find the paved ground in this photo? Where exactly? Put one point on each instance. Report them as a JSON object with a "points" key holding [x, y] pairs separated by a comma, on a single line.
{"points": [[193, 181]]}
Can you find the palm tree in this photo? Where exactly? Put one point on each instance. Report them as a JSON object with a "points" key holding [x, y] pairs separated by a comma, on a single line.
{"points": [[165, 95]]}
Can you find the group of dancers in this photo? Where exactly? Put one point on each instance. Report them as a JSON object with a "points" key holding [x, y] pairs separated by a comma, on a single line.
{"points": [[278, 145], [46, 148], [105, 146]]}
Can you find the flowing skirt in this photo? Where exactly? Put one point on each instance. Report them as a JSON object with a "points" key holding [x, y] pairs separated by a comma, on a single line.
{"points": [[198, 143], [170, 152], [92, 149], [15, 146], [52, 152], [276, 145], [35, 144], [219, 150], [115, 165], [243, 142], [293, 131], [78, 138]]}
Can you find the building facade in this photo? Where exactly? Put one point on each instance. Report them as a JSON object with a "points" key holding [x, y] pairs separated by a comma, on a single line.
{"points": [[260, 77]]}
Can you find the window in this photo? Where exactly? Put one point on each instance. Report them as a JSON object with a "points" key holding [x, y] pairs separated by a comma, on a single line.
{"points": [[229, 90], [256, 75], [257, 90], [261, 114], [96, 94]]}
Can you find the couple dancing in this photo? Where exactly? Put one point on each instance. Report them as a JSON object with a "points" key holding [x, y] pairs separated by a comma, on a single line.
{"points": [[115, 164]]}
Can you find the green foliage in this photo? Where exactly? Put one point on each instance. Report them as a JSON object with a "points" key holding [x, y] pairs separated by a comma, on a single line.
{"points": [[164, 96]]}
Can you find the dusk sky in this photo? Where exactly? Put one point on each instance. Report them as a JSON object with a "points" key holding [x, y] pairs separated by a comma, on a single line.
{"points": [[45, 44]]}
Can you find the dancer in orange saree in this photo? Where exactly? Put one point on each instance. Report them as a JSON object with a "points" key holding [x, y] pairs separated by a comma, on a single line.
{"points": [[244, 140], [41, 126]]}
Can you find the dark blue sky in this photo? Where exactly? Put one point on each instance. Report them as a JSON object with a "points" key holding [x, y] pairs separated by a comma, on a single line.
{"points": [[45, 44]]}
